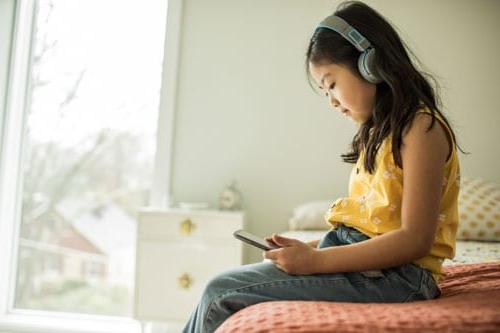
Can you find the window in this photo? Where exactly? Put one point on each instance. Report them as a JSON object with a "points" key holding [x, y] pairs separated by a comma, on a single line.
{"points": [[88, 152], [83, 142]]}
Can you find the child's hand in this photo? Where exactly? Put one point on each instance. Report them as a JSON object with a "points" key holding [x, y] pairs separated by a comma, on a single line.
{"points": [[294, 257], [271, 241]]}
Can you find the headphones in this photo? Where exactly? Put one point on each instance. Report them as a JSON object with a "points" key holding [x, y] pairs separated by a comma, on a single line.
{"points": [[365, 61]]}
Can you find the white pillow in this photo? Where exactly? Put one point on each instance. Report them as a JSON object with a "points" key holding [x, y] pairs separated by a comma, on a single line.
{"points": [[479, 210], [310, 216]]}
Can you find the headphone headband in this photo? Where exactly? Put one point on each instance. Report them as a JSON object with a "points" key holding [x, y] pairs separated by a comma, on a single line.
{"points": [[340, 26], [366, 65]]}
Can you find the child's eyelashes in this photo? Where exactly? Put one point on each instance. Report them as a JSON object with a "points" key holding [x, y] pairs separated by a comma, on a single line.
{"points": [[332, 86]]}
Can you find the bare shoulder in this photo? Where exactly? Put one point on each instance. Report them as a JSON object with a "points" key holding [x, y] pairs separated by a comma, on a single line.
{"points": [[421, 139]]}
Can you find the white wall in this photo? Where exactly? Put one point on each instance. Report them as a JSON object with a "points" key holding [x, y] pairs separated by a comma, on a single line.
{"points": [[245, 110]]}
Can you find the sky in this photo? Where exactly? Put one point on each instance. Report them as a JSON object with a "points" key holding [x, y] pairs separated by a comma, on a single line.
{"points": [[119, 45]]}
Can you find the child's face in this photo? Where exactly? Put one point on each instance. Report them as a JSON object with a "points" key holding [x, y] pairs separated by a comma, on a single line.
{"points": [[353, 96]]}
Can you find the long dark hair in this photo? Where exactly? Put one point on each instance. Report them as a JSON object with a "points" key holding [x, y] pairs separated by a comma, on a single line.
{"points": [[404, 89]]}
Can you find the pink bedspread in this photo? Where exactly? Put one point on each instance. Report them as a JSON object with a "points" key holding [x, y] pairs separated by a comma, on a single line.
{"points": [[470, 302]]}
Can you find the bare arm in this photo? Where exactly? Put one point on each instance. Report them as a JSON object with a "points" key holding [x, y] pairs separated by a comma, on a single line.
{"points": [[313, 243]]}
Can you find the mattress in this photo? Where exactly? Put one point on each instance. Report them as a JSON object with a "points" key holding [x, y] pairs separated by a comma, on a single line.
{"points": [[470, 302], [466, 252]]}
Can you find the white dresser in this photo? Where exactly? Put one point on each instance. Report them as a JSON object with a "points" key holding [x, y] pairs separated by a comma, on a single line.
{"points": [[178, 251]]}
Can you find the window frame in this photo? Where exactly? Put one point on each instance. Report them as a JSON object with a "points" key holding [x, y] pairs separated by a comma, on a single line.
{"points": [[12, 136]]}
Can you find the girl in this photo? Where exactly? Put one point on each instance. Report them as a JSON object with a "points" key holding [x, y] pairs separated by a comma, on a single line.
{"points": [[390, 236]]}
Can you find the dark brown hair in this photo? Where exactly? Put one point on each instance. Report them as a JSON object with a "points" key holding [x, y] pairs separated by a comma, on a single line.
{"points": [[404, 90]]}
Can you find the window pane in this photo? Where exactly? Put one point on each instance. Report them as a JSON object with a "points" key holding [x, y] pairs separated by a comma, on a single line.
{"points": [[89, 149]]}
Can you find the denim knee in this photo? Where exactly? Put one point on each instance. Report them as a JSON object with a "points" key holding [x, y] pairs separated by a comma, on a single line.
{"points": [[215, 286]]}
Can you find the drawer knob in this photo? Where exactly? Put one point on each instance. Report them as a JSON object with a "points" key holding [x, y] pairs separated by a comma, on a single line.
{"points": [[187, 227], [185, 281]]}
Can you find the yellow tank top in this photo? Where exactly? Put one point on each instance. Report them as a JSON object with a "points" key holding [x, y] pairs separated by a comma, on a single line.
{"points": [[374, 202]]}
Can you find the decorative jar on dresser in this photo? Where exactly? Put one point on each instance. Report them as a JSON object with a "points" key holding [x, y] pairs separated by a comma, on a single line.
{"points": [[178, 251]]}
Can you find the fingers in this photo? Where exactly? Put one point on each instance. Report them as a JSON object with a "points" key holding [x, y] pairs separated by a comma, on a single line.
{"points": [[271, 254], [276, 263], [271, 241], [284, 241], [279, 267]]}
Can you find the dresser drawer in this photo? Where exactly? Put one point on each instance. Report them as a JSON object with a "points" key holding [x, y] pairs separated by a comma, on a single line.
{"points": [[171, 276], [179, 225], [178, 252]]}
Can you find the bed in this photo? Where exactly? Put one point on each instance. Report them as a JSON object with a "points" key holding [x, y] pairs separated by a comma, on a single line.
{"points": [[470, 303], [470, 300]]}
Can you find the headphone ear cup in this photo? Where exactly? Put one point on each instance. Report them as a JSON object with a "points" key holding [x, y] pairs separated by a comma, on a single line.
{"points": [[366, 66]]}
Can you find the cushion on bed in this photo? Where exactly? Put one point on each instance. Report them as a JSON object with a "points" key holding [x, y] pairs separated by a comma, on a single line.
{"points": [[468, 252], [310, 216], [479, 209], [470, 302]]}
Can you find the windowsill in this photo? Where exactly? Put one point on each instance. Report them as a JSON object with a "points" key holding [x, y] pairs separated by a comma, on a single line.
{"points": [[49, 322]]}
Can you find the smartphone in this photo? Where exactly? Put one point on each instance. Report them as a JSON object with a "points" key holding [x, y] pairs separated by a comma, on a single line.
{"points": [[255, 240]]}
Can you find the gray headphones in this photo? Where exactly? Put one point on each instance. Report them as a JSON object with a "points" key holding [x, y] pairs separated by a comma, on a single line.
{"points": [[365, 60]]}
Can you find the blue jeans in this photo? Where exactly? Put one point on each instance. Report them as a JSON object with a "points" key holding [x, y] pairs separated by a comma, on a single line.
{"points": [[243, 286]]}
